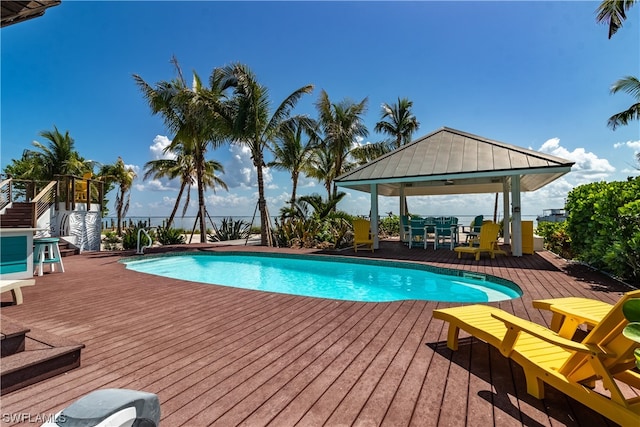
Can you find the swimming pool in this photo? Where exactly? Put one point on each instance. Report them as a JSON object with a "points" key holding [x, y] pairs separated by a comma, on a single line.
{"points": [[329, 277]]}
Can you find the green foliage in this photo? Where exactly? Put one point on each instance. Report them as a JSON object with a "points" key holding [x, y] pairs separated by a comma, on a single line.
{"points": [[170, 236], [631, 310], [297, 232], [604, 225], [229, 230], [556, 238], [332, 231], [111, 241], [389, 226], [130, 236]]}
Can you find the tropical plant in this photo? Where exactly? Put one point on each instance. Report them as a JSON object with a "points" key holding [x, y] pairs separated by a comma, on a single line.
{"points": [[183, 167], [631, 310], [111, 241], [389, 226], [123, 176], [321, 166], [556, 238], [57, 157], [613, 13], [604, 226], [398, 123], [169, 236], [252, 125], [130, 236], [630, 85], [341, 125], [314, 222], [192, 114], [230, 230], [291, 152]]}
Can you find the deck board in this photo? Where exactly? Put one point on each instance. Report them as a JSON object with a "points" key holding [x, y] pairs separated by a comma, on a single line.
{"points": [[223, 356]]}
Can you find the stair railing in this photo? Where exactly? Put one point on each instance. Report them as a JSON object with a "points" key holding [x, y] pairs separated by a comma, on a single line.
{"points": [[43, 201]]}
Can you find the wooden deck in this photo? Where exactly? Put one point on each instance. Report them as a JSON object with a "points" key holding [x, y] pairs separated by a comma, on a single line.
{"points": [[224, 356]]}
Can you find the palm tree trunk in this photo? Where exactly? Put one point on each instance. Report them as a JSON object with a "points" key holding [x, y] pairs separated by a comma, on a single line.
{"points": [[294, 178], [119, 208], [201, 202], [175, 207], [262, 203]]}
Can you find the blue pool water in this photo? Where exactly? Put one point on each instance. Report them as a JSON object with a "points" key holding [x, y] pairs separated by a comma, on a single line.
{"points": [[329, 277]]}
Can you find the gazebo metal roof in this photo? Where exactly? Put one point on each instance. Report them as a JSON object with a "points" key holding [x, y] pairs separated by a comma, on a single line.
{"points": [[450, 161]]}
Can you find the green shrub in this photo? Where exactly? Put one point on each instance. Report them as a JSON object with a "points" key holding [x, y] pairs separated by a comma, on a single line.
{"points": [[170, 236], [556, 238], [111, 241], [229, 230], [389, 226], [130, 236], [604, 225], [297, 232]]}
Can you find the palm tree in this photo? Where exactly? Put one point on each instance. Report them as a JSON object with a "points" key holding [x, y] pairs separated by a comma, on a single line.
{"points": [[58, 157], [250, 122], [613, 13], [321, 166], [398, 122], [341, 125], [191, 114], [291, 153], [123, 176], [630, 85], [183, 167]]}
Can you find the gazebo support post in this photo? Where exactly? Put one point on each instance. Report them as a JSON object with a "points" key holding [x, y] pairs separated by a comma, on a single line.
{"points": [[403, 210], [506, 208], [516, 223], [374, 215]]}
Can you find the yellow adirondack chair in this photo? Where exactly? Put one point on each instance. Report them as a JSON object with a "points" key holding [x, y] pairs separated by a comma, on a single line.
{"points": [[362, 234], [82, 187], [591, 371], [488, 242], [571, 312]]}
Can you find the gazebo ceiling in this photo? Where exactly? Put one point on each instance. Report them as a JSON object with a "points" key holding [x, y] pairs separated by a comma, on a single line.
{"points": [[449, 161], [14, 12]]}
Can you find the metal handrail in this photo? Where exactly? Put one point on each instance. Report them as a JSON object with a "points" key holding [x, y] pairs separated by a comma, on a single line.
{"points": [[140, 250]]}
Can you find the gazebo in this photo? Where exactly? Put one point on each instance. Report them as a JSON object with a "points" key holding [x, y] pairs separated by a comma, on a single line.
{"points": [[449, 161]]}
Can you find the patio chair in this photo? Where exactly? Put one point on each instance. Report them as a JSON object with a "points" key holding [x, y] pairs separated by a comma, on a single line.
{"points": [[362, 234], [81, 188], [487, 242], [571, 312], [404, 228], [473, 230], [581, 370], [417, 232], [446, 228]]}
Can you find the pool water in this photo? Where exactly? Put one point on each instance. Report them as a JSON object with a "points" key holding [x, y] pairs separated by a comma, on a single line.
{"points": [[329, 277]]}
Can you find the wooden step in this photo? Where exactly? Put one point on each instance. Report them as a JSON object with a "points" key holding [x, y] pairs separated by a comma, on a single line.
{"points": [[12, 337], [44, 356]]}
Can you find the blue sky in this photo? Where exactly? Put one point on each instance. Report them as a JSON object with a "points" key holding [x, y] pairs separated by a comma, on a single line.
{"points": [[532, 74]]}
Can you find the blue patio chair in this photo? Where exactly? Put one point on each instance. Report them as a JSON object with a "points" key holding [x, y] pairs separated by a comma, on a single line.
{"points": [[417, 232], [404, 228], [474, 229], [446, 229]]}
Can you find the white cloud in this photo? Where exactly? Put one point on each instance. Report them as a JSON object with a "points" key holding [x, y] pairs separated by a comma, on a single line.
{"points": [[160, 143], [240, 172], [634, 145], [588, 166], [158, 185]]}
